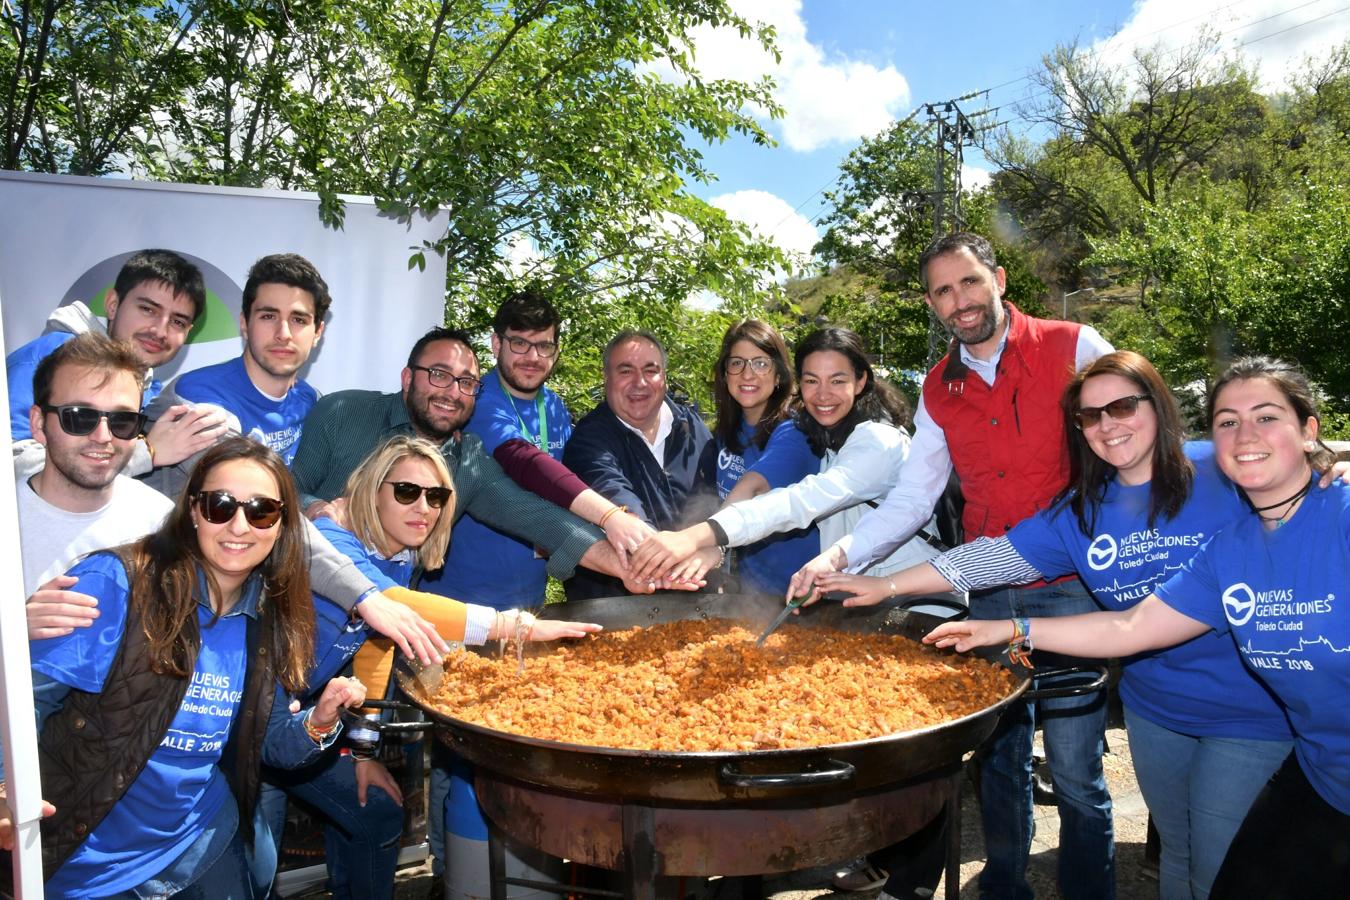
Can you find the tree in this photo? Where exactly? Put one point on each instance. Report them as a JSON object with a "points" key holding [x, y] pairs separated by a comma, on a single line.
{"points": [[541, 124]]}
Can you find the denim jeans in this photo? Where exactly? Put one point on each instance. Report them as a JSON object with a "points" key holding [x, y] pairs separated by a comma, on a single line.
{"points": [[1074, 732], [1198, 790], [360, 842], [212, 868]]}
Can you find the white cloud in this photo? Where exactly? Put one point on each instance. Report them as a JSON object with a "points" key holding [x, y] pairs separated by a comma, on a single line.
{"points": [[1275, 34], [770, 216], [973, 177], [826, 98]]}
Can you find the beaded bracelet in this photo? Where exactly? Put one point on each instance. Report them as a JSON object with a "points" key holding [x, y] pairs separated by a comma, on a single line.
{"points": [[1020, 647], [612, 511]]}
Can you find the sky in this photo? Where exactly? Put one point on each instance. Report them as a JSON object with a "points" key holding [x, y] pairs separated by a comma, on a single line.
{"points": [[850, 68]]}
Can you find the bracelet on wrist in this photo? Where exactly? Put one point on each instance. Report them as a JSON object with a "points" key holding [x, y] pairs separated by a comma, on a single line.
{"points": [[1020, 647], [612, 511], [320, 735]]}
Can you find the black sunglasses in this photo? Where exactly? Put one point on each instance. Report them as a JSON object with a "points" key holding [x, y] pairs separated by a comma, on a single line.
{"points": [[1120, 408], [219, 507], [406, 492], [81, 420]]}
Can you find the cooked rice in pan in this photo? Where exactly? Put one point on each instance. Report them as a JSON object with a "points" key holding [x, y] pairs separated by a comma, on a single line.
{"points": [[703, 686]]}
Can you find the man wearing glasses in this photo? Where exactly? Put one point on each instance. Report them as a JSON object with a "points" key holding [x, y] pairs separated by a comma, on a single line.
{"points": [[524, 425]]}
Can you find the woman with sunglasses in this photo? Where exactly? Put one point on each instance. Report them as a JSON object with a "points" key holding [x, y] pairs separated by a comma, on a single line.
{"points": [[760, 447], [856, 423], [154, 721], [1205, 733], [397, 508]]}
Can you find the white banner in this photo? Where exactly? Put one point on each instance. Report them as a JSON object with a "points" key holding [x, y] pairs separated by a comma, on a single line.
{"points": [[63, 238]]}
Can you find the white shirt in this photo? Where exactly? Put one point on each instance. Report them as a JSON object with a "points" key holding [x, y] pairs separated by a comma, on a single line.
{"points": [[53, 539], [865, 468], [910, 504], [665, 421]]}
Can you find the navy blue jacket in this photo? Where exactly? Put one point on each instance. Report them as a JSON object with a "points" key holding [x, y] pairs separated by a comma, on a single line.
{"points": [[615, 462]]}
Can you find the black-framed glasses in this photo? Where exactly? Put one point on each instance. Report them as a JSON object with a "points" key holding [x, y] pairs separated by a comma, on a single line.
{"points": [[520, 346], [466, 384], [219, 507], [736, 365], [1120, 408], [81, 420], [407, 492]]}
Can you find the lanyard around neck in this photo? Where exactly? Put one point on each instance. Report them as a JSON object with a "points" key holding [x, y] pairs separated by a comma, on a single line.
{"points": [[540, 440]]}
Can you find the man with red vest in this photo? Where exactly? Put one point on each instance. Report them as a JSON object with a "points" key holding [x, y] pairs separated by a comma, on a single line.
{"points": [[991, 409]]}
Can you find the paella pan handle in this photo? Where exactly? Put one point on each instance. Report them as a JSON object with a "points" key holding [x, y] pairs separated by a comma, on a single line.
{"points": [[351, 718], [1098, 682], [836, 772]]}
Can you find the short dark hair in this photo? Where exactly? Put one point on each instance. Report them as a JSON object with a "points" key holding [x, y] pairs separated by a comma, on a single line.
{"points": [[290, 269], [634, 334], [167, 267], [440, 333], [92, 350], [526, 310], [978, 246]]}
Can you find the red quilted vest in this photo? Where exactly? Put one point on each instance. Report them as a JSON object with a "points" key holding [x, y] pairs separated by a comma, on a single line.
{"points": [[1007, 442]]}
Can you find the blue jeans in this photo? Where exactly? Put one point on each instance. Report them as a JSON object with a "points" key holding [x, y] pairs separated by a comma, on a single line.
{"points": [[1198, 790], [360, 842], [1074, 732], [212, 868]]}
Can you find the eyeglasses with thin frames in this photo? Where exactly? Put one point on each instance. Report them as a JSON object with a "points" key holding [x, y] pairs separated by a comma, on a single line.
{"points": [[519, 346], [78, 421], [465, 384], [219, 507], [735, 364], [407, 492], [1120, 408]]}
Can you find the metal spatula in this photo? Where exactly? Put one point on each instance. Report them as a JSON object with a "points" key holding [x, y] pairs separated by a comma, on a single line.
{"points": [[780, 619]]}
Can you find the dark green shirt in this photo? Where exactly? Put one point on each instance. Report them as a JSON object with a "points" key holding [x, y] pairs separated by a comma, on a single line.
{"points": [[344, 427]]}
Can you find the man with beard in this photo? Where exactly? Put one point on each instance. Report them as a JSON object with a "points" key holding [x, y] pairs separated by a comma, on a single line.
{"points": [[440, 386], [641, 449], [284, 304], [524, 425], [153, 303], [991, 409]]}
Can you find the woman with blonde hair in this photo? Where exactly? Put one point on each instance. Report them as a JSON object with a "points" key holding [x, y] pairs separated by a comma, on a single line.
{"points": [[397, 507]]}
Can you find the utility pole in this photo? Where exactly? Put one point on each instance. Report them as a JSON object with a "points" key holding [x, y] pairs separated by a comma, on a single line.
{"points": [[953, 131]]}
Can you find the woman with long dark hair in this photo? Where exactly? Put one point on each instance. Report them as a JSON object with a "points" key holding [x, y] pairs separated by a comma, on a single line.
{"points": [[1140, 502], [154, 721], [856, 423], [1269, 583], [759, 446]]}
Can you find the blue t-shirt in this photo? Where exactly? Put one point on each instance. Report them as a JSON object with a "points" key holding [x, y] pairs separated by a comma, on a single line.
{"points": [[768, 565], [1280, 596], [274, 423], [182, 787], [337, 635], [484, 565], [1200, 687], [19, 368]]}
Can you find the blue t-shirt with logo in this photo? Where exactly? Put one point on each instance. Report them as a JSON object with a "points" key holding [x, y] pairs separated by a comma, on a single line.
{"points": [[339, 635], [182, 787], [269, 421], [1281, 596], [1200, 687], [484, 565], [768, 565]]}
